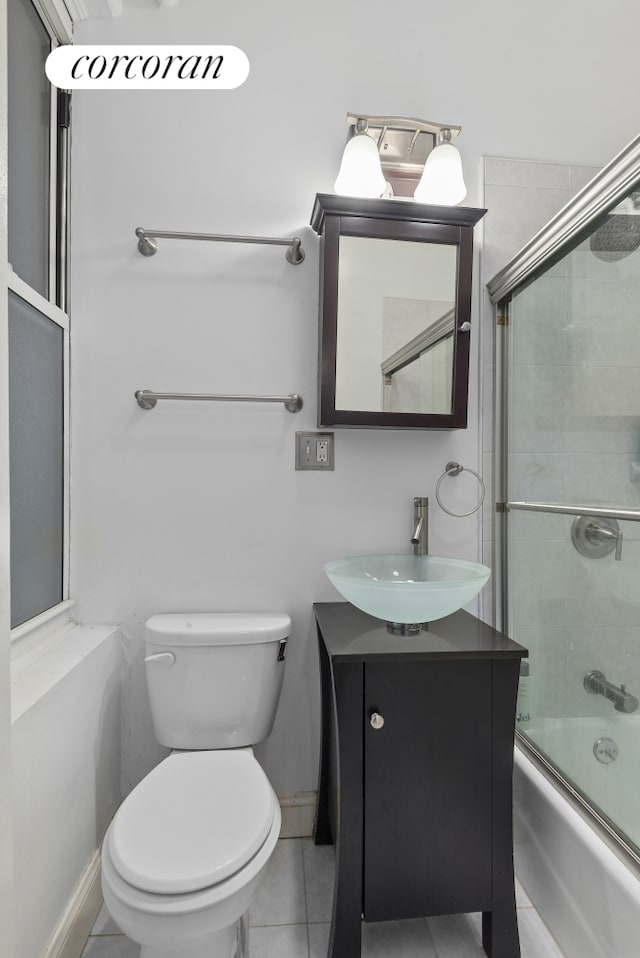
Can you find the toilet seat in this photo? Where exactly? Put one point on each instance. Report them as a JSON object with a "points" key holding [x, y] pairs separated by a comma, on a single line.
{"points": [[193, 822]]}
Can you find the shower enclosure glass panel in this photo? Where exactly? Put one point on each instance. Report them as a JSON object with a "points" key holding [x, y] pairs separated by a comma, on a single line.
{"points": [[573, 584]]}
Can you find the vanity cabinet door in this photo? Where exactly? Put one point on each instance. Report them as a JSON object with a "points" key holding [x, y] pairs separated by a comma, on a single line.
{"points": [[427, 788]]}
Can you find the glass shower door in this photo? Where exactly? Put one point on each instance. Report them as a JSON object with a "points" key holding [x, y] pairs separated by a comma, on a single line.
{"points": [[573, 505]]}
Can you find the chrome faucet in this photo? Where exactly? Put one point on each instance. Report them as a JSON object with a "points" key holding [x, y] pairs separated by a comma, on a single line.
{"points": [[596, 683], [420, 537]]}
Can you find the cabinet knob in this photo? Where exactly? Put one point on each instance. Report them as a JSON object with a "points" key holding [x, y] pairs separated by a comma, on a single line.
{"points": [[376, 720]]}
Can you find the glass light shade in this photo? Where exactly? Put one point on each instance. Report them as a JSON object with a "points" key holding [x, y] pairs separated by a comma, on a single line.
{"points": [[360, 171], [442, 182]]}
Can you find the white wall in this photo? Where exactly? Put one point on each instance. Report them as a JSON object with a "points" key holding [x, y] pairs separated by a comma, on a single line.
{"points": [[65, 781], [199, 507]]}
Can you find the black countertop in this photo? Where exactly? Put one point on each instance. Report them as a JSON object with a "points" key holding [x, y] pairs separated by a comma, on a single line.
{"points": [[350, 634]]}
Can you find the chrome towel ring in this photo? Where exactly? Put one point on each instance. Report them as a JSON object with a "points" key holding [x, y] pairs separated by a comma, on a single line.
{"points": [[454, 469]]}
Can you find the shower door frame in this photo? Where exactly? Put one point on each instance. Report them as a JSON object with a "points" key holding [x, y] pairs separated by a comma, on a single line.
{"points": [[567, 229]]}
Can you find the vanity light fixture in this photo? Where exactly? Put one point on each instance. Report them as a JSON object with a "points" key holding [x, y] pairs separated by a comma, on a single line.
{"points": [[442, 181], [360, 172], [401, 156]]}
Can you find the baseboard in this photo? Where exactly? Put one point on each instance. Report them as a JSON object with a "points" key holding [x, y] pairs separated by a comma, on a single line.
{"points": [[76, 923], [298, 814]]}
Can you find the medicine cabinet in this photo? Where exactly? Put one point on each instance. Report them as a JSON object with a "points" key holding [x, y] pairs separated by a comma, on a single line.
{"points": [[395, 312]]}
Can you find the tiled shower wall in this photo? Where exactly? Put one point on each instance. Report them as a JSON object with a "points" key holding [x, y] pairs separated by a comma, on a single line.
{"points": [[521, 196], [576, 369]]}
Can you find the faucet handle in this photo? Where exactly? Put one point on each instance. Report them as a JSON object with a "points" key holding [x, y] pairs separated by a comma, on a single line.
{"points": [[618, 554], [596, 537]]}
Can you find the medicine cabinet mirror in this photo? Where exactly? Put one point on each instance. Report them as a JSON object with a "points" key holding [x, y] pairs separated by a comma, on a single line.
{"points": [[395, 312]]}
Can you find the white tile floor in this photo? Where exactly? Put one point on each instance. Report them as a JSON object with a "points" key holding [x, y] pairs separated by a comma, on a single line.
{"points": [[290, 919]]}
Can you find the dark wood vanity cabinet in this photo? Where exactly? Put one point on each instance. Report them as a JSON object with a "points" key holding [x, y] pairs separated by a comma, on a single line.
{"points": [[415, 773]]}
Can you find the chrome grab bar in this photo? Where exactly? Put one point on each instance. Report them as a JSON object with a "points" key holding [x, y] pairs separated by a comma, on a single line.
{"points": [[147, 398], [147, 245], [602, 512]]}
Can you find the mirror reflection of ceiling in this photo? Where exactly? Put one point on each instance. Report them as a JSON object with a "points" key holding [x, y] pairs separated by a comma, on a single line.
{"points": [[391, 293]]}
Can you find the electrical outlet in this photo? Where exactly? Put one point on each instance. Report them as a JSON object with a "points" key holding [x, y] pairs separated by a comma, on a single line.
{"points": [[314, 450]]}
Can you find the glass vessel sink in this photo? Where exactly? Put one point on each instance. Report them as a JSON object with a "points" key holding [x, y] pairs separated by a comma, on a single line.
{"points": [[407, 590]]}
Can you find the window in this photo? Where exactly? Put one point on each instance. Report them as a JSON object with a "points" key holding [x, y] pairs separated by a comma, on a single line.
{"points": [[38, 127]]}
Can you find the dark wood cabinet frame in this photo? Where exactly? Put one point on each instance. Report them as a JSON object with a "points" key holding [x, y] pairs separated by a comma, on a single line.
{"points": [[419, 807], [336, 216]]}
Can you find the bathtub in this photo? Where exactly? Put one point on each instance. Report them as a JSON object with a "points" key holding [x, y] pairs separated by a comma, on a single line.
{"points": [[587, 896]]}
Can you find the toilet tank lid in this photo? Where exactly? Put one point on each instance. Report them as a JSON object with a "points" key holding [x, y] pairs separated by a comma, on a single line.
{"points": [[217, 628]]}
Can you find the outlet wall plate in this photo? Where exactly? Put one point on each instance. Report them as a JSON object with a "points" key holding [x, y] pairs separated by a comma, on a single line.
{"points": [[314, 450]]}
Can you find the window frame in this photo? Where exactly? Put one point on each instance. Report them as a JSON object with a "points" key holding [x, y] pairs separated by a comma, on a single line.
{"points": [[55, 307]]}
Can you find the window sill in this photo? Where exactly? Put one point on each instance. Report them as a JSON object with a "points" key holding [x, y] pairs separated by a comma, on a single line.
{"points": [[29, 640], [34, 672]]}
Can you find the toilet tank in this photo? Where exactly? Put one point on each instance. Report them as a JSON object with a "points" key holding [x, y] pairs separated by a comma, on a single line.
{"points": [[214, 678]]}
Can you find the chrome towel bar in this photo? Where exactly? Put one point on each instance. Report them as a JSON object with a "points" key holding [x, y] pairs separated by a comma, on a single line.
{"points": [[147, 399], [605, 512], [147, 245]]}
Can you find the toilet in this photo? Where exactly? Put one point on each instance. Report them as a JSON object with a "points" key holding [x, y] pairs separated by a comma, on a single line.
{"points": [[188, 848]]}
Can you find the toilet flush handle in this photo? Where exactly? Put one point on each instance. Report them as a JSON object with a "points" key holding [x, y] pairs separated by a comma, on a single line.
{"points": [[162, 658]]}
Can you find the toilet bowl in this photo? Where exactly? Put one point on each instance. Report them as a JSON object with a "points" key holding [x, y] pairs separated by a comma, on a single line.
{"points": [[188, 848], [184, 856]]}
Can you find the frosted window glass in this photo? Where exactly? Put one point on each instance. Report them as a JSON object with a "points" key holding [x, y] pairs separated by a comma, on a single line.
{"points": [[29, 126], [36, 460]]}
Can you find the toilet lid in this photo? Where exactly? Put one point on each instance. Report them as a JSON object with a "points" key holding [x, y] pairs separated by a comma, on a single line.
{"points": [[196, 819]]}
